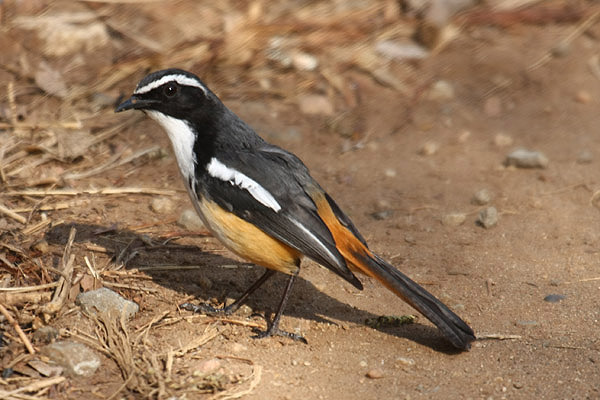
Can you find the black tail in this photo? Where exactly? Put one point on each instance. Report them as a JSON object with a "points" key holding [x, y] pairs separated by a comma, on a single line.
{"points": [[451, 325]]}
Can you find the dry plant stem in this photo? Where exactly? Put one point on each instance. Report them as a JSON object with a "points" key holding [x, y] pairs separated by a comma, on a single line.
{"points": [[18, 329], [113, 162], [578, 31], [14, 299], [34, 386], [24, 289], [101, 191], [498, 336], [65, 281], [10, 213], [256, 372]]}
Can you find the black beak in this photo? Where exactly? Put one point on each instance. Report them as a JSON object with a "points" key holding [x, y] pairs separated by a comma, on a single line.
{"points": [[134, 103]]}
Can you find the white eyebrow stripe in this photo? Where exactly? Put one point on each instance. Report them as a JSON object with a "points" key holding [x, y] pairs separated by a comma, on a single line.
{"points": [[179, 78], [218, 170]]}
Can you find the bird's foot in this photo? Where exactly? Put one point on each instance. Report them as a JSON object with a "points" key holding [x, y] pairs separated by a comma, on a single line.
{"points": [[278, 332], [207, 309]]}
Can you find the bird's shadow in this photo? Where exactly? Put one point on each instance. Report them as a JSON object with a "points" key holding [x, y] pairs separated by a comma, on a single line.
{"points": [[229, 279]]}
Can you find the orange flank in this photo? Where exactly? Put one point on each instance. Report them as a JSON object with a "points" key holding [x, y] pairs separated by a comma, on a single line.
{"points": [[248, 241]]}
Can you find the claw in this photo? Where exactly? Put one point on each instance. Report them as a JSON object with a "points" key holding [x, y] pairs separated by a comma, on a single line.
{"points": [[206, 309], [278, 332]]}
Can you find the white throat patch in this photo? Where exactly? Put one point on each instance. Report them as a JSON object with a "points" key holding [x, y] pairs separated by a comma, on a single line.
{"points": [[179, 78], [182, 139], [218, 170]]}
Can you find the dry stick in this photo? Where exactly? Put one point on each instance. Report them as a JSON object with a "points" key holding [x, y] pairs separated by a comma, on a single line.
{"points": [[101, 191], [9, 213], [567, 40], [498, 336], [113, 162], [17, 328], [24, 289], [65, 281], [12, 299], [256, 371], [38, 384]]}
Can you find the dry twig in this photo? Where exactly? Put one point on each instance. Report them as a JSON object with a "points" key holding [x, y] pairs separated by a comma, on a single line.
{"points": [[18, 329], [65, 280], [10, 213]]}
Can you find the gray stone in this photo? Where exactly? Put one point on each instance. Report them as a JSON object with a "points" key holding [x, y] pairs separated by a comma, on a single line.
{"points": [[162, 205], [488, 217], [453, 219], [76, 358], [104, 300], [554, 298], [441, 90], [190, 220], [585, 157], [522, 158], [481, 197]]}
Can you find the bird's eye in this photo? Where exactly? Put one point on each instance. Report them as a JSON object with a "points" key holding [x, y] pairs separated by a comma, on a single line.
{"points": [[170, 90]]}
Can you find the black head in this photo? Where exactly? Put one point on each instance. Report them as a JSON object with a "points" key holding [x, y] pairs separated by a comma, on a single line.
{"points": [[173, 92]]}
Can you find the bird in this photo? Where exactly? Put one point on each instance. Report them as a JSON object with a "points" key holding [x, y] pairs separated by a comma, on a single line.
{"points": [[261, 202]]}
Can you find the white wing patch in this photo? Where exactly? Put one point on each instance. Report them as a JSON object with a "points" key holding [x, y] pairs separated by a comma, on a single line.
{"points": [[179, 78], [332, 258], [218, 170], [182, 139]]}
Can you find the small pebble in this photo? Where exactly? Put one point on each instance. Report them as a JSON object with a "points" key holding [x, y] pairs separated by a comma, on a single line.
{"points": [[45, 334], [395, 50], [464, 136], [554, 298], [583, 97], [46, 369], [315, 104], [363, 363], [162, 205], [374, 373], [405, 361], [104, 300], [208, 366], [429, 148], [492, 106], [522, 158], [585, 157], [76, 358], [190, 220], [382, 215], [441, 90], [304, 61], [561, 49], [488, 217], [481, 197], [527, 323], [503, 140], [390, 172], [41, 246], [453, 219]]}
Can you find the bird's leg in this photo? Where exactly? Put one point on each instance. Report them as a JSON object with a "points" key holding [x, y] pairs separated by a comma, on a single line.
{"points": [[233, 307], [273, 328]]}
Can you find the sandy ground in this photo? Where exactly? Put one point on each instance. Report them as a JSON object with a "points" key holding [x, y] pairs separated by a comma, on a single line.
{"points": [[380, 172]]}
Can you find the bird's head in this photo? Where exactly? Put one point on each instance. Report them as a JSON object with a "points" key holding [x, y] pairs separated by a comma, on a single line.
{"points": [[173, 92]]}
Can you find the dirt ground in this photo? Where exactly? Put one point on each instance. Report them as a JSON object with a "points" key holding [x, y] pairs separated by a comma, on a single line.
{"points": [[398, 150]]}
